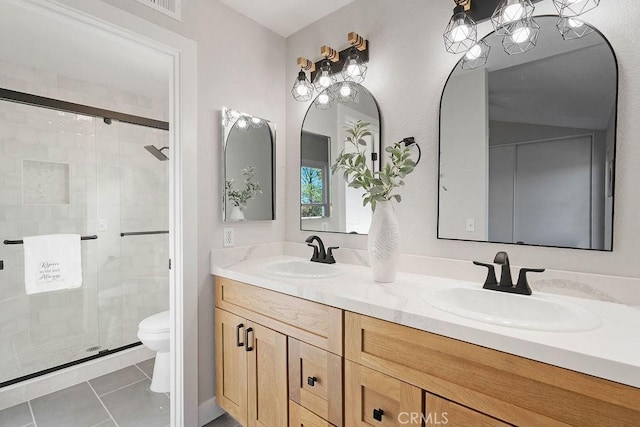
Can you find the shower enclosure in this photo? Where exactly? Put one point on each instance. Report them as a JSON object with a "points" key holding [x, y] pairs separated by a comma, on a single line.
{"points": [[67, 168]]}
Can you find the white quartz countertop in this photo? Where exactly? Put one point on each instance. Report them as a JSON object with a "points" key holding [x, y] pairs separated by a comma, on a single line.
{"points": [[611, 351]]}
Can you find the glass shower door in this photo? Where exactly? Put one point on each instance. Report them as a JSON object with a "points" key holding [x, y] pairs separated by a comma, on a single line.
{"points": [[48, 185]]}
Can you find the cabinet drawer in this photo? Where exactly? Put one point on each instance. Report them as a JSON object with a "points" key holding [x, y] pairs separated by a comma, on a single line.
{"points": [[439, 411], [315, 380], [302, 417], [511, 388], [376, 399], [317, 324]]}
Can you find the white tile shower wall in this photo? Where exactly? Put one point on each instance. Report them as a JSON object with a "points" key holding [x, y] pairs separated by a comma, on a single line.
{"points": [[23, 78], [409, 36]]}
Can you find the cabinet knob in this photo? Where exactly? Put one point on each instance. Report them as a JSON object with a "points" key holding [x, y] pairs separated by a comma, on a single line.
{"points": [[377, 414], [311, 381]]}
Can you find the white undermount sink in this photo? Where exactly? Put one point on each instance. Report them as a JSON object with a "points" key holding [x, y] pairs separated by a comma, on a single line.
{"points": [[539, 313], [298, 269]]}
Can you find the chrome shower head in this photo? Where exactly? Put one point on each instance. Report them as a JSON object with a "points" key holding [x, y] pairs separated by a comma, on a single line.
{"points": [[157, 152]]}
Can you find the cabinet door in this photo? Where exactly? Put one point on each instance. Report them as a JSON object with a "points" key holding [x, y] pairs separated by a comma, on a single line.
{"points": [[231, 364], [439, 411], [376, 399], [267, 377], [302, 417], [315, 380]]}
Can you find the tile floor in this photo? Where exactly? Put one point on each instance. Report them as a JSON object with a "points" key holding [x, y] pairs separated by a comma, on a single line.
{"points": [[224, 421], [118, 399]]}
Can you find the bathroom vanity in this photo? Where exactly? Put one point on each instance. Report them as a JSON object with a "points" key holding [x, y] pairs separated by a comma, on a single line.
{"points": [[344, 350]]}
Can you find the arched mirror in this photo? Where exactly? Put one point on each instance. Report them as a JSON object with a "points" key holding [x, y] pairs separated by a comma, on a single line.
{"points": [[249, 153], [326, 202], [527, 144]]}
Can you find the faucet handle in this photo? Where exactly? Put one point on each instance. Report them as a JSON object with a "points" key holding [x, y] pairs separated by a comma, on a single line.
{"points": [[523, 284], [491, 273], [330, 259]]}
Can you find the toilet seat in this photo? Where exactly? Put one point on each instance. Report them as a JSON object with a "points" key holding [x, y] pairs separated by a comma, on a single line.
{"points": [[156, 324]]}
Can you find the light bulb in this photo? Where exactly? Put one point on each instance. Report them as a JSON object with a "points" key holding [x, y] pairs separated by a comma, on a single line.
{"points": [[574, 23], [255, 120], [512, 13], [353, 70], [234, 114], [302, 90], [521, 35], [345, 90], [474, 52], [324, 80], [323, 98], [460, 32], [242, 123]]}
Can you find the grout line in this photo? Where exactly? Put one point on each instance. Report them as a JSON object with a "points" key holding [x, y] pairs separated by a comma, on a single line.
{"points": [[103, 405], [145, 374], [33, 417], [118, 389]]}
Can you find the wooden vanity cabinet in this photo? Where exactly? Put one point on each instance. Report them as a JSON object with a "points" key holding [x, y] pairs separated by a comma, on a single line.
{"points": [[251, 371], [272, 347]]}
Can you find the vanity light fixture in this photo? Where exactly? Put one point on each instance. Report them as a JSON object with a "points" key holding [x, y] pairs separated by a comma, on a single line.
{"points": [[350, 63], [523, 36], [461, 33], [568, 8], [572, 28], [510, 12], [476, 56]]}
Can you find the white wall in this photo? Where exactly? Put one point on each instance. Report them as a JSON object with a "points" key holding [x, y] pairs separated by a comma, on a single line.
{"points": [[240, 64], [407, 73]]}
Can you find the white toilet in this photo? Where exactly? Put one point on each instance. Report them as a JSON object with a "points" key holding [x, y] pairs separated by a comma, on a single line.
{"points": [[154, 333]]}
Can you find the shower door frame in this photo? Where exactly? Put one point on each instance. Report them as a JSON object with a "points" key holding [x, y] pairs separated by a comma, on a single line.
{"points": [[95, 15]]}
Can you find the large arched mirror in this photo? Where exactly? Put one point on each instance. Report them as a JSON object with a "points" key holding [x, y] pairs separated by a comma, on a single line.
{"points": [[326, 202], [527, 144], [249, 154]]}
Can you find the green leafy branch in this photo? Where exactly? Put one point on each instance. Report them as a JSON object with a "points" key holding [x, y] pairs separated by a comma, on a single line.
{"points": [[241, 197], [380, 185]]}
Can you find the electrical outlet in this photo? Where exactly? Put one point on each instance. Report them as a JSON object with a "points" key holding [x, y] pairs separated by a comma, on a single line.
{"points": [[471, 225], [228, 238]]}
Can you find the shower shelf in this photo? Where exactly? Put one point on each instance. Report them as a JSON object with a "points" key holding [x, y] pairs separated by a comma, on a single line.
{"points": [[20, 242], [144, 233]]}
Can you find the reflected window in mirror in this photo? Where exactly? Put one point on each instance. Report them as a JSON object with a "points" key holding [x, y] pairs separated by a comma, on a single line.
{"points": [[327, 203], [527, 145], [249, 155]]}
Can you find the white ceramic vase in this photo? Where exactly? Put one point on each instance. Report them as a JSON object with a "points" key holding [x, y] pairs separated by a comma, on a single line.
{"points": [[383, 245], [236, 214]]}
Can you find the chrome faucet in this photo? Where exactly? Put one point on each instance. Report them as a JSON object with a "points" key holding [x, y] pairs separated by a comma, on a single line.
{"points": [[506, 283], [319, 253]]}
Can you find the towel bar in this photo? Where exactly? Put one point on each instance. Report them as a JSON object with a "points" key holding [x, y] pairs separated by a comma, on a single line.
{"points": [[143, 233], [20, 242]]}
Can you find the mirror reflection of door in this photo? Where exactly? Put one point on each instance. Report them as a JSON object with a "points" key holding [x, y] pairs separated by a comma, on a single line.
{"points": [[327, 203]]}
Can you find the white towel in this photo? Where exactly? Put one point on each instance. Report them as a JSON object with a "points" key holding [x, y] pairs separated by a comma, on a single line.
{"points": [[52, 262]]}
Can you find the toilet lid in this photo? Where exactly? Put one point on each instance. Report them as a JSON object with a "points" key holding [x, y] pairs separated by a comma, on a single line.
{"points": [[157, 323]]}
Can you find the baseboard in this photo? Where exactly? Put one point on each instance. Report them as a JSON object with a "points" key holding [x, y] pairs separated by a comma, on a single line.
{"points": [[209, 411]]}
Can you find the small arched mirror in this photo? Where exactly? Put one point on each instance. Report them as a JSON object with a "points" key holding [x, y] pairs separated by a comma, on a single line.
{"points": [[249, 153], [326, 201], [527, 144]]}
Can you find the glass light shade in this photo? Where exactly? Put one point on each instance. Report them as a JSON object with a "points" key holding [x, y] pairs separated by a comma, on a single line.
{"points": [[508, 13], [256, 122], [572, 28], [242, 123], [522, 37], [567, 8], [461, 33], [346, 92], [476, 56], [302, 90], [325, 100], [324, 79], [354, 69]]}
